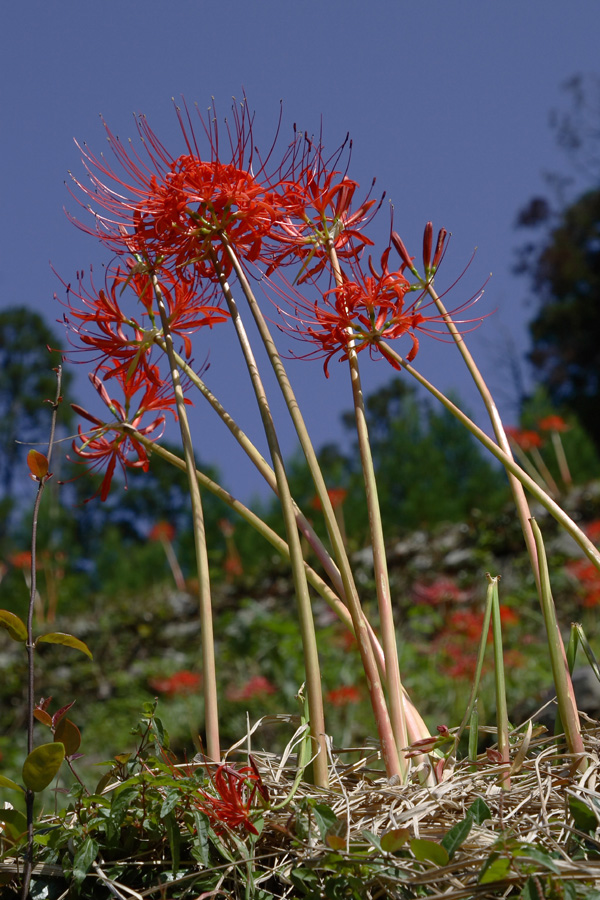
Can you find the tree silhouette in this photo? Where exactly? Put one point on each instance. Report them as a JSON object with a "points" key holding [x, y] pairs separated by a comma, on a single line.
{"points": [[26, 381], [563, 265]]}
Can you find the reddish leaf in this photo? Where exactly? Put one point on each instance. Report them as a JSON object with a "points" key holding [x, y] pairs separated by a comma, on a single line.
{"points": [[68, 734], [42, 716], [60, 713], [38, 464]]}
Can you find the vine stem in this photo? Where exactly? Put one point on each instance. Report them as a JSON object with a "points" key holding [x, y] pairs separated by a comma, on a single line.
{"points": [[30, 645]]}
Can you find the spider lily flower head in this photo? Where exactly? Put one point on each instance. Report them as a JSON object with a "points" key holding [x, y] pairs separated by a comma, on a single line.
{"points": [[236, 790], [553, 423], [100, 329], [524, 439], [321, 218], [360, 312], [108, 444], [176, 209]]}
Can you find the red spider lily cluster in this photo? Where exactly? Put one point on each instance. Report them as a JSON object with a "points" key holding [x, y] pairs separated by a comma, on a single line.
{"points": [[257, 686], [588, 578], [346, 695], [177, 222], [236, 791], [183, 682]]}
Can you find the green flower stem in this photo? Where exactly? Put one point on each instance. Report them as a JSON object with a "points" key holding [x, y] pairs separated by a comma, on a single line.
{"points": [[211, 708], [592, 553], [567, 706], [544, 471], [306, 621], [529, 467], [382, 583], [315, 580], [518, 492], [499, 680], [418, 727], [561, 459], [350, 593]]}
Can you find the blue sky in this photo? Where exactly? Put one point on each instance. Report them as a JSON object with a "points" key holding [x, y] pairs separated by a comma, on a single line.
{"points": [[447, 105]]}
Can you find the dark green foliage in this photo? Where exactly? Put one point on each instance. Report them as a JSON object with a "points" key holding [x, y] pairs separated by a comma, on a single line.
{"points": [[26, 381]]}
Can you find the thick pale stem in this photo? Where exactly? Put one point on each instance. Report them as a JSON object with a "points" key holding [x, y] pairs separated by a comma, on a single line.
{"points": [[508, 462], [307, 628], [362, 632], [499, 680], [211, 708]]}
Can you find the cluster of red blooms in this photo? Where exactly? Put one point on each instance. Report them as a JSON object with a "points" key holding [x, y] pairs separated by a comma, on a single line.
{"points": [[183, 682], [236, 791], [527, 439], [178, 223], [257, 686]]}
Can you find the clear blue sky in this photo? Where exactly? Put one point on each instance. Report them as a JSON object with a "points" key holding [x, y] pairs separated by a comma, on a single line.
{"points": [[447, 104]]}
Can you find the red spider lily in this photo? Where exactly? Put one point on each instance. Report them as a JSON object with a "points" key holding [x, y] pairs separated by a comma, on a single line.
{"points": [[108, 333], [177, 208], [321, 217], [336, 496], [525, 440], [257, 686], [98, 451], [343, 696], [359, 313], [588, 577], [553, 423], [184, 682], [162, 531], [442, 590], [236, 789]]}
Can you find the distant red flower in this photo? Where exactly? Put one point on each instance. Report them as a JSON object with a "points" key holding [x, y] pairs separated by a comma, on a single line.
{"points": [[553, 423], [343, 696], [162, 531], [336, 496], [589, 578], [508, 616], [183, 682], [236, 790], [21, 560], [592, 529], [524, 439], [257, 686], [442, 590]]}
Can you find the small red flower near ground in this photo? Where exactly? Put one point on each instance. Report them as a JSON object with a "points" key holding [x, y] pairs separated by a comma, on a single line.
{"points": [[257, 686], [236, 790], [183, 682], [343, 696]]}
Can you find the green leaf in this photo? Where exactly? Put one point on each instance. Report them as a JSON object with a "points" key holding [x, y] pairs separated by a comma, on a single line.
{"points": [[325, 818], [174, 836], [8, 783], [373, 839], [83, 859], [479, 811], [495, 869], [429, 851], [69, 735], [16, 822], [541, 857], [457, 834], [42, 764], [14, 625], [201, 842], [67, 640], [585, 818]]}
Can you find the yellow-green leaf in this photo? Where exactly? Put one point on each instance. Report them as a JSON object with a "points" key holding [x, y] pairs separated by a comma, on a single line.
{"points": [[8, 783], [14, 625], [67, 640], [429, 851], [42, 764], [394, 839]]}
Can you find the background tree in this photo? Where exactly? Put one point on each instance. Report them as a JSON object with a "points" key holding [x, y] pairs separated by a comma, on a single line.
{"points": [[563, 266], [26, 380]]}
